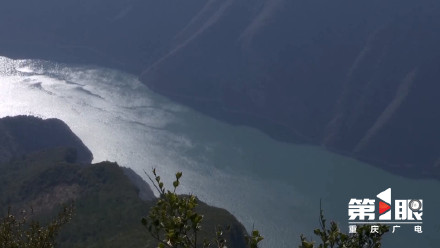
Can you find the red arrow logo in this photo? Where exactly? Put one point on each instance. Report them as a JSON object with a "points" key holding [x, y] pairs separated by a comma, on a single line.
{"points": [[383, 207]]}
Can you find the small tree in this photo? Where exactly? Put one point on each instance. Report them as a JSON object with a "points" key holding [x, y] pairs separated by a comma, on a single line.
{"points": [[173, 221], [19, 232], [333, 237]]}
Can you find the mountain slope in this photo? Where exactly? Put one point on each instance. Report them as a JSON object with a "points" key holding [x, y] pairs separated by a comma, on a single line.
{"points": [[107, 207], [21, 135], [109, 200]]}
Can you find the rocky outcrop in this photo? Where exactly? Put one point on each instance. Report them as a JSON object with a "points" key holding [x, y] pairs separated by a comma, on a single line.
{"points": [[21, 135]]}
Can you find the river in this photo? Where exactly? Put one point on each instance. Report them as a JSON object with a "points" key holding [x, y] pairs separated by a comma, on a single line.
{"points": [[274, 186]]}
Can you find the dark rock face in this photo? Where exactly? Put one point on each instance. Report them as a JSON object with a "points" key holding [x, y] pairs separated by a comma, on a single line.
{"points": [[22, 135], [145, 192], [357, 77]]}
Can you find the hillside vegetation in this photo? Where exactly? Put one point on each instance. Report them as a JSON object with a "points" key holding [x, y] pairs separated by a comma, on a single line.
{"points": [[108, 209]]}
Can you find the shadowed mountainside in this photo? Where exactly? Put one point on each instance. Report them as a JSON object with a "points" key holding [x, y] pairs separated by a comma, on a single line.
{"points": [[109, 200], [359, 78], [108, 209], [21, 135]]}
